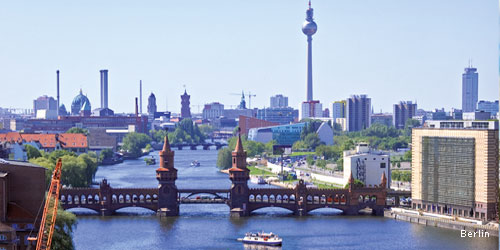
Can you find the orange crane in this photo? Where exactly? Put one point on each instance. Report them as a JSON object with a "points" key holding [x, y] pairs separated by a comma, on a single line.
{"points": [[44, 239]]}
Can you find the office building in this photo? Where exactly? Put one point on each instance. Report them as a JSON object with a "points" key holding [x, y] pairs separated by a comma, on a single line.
{"points": [[455, 170], [402, 112], [152, 104], [358, 109], [469, 89], [279, 101], [289, 134], [45, 107], [213, 110], [366, 165], [477, 116], [487, 106], [284, 115]]}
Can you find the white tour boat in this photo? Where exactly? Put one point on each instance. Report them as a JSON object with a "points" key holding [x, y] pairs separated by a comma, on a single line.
{"points": [[268, 239]]}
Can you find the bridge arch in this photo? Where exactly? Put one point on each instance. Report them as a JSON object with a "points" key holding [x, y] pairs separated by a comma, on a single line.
{"points": [[210, 193], [83, 208], [328, 209]]}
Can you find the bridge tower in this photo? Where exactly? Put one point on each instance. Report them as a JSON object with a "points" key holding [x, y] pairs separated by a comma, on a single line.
{"points": [[106, 193], [166, 175], [239, 175]]}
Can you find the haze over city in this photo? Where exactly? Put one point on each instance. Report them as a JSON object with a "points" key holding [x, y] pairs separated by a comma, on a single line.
{"points": [[389, 50]]}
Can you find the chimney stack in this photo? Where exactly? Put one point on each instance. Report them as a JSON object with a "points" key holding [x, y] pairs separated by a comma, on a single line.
{"points": [[140, 96], [136, 108], [57, 72], [104, 88]]}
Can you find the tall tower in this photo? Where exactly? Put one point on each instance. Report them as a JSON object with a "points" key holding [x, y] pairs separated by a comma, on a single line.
{"points": [[104, 88], [309, 28], [166, 175], [185, 109], [239, 175], [57, 72], [469, 89]]}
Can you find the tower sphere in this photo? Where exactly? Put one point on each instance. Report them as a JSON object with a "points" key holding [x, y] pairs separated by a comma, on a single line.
{"points": [[309, 28]]}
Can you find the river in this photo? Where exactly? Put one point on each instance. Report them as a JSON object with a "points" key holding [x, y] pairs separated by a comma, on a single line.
{"points": [[207, 226]]}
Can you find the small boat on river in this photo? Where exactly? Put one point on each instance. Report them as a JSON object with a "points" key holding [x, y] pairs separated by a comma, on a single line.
{"points": [[268, 239], [195, 164]]}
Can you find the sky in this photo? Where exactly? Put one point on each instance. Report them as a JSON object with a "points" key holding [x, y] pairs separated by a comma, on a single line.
{"points": [[391, 50]]}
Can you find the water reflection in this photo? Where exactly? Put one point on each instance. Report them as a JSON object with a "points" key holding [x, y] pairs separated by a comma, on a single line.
{"points": [[260, 247]]}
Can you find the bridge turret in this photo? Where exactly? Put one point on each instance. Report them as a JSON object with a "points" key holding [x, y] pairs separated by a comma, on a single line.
{"points": [[166, 175], [351, 183], [239, 175], [383, 181]]}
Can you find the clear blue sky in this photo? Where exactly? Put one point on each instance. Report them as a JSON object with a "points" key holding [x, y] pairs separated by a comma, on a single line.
{"points": [[391, 50]]}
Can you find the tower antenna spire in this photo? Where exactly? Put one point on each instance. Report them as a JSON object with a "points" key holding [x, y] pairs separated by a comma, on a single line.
{"points": [[309, 4]]}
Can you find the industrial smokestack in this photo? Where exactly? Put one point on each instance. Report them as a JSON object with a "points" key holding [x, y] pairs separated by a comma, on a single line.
{"points": [[104, 88], [136, 108], [57, 72], [140, 96]]}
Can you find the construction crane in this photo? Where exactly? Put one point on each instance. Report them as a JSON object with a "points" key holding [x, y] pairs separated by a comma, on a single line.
{"points": [[44, 239], [249, 94]]}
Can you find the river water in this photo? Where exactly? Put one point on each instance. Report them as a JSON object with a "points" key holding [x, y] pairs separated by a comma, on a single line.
{"points": [[208, 226]]}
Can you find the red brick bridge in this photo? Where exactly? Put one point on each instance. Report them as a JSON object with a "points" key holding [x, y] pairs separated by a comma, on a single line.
{"points": [[241, 199]]}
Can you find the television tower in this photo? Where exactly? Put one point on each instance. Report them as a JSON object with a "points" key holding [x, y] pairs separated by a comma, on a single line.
{"points": [[309, 28]]}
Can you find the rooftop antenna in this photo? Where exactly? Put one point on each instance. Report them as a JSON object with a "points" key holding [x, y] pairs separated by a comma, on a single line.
{"points": [[309, 4]]}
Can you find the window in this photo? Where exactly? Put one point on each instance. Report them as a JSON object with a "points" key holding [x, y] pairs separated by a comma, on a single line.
{"points": [[3, 237], [382, 165]]}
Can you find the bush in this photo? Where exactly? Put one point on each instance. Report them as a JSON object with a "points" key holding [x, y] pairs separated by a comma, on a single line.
{"points": [[224, 158], [134, 142]]}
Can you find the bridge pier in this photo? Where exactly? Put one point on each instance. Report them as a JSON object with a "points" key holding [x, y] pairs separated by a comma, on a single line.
{"points": [[193, 147], [106, 212], [301, 212]]}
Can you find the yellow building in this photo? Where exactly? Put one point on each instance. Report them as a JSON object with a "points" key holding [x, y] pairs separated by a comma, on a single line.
{"points": [[455, 170]]}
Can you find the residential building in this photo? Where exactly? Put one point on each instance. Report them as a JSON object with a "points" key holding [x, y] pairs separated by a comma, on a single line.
{"points": [[367, 165], [469, 89], [310, 109], [326, 113], [384, 119], [279, 101], [213, 110], [402, 112], [285, 115], [338, 109], [455, 170], [49, 142], [358, 108]]}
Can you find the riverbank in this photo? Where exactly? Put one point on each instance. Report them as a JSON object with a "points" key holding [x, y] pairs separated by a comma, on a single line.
{"points": [[441, 222]]}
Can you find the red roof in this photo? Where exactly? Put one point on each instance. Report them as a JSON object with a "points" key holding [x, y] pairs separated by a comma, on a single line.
{"points": [[48, 140], [237, 169], [73, 140]]}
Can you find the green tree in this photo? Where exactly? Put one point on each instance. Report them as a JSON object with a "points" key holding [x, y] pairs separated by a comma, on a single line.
{"points": [[312, 141], [310, 160], [409, 125], [134, 142], [106, 154], [299, 145], [357, 183], [224, 158], [32, 152], [62, 239], [340, 164], [75, 130]]}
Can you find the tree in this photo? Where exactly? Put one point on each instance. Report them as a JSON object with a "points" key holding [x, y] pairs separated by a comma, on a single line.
{"points": [[75, 130], [357, 183], [32, 152], [224, 158], [340, 164], [310, 160], [409, 125], [299, 145], [62, 239], [134, 142], [312, 141], [106, 154]]}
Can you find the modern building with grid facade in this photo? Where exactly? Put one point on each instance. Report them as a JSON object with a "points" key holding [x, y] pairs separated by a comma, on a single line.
{"points": [[455, 171]]}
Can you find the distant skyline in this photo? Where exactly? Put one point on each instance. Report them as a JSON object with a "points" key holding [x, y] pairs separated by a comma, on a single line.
{"points": [[390, 50]]}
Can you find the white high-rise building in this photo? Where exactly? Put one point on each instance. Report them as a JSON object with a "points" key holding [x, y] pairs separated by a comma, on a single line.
{"points": [[310, 109]]}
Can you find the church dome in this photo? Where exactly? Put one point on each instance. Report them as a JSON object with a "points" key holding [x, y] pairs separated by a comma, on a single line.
{"points": [[80, 101]]}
